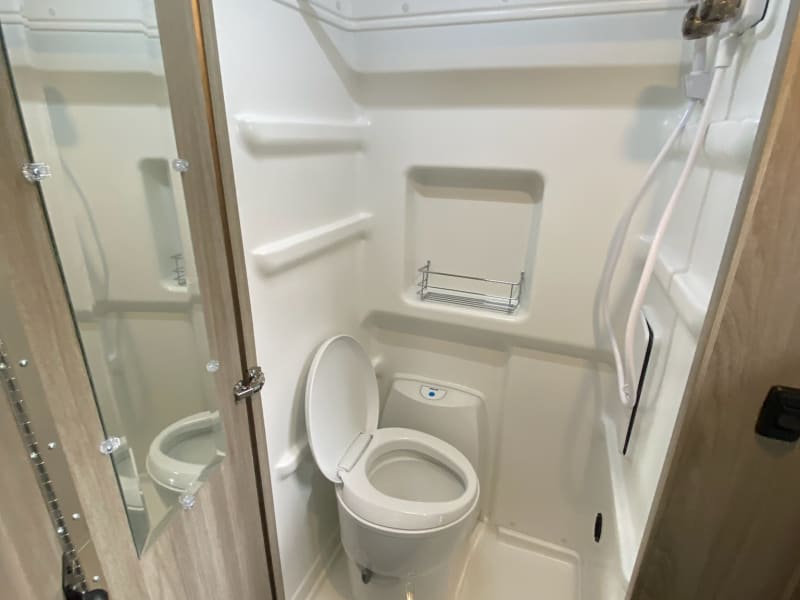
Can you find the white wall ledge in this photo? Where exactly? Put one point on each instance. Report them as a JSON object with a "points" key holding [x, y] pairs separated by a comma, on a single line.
{"points": [[688, 295], [270, 135], [484, 12], [291, 460], [287, 252], [728, 144]]}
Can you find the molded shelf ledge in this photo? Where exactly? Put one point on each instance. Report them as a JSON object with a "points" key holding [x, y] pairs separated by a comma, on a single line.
{"points": [[369, 16], [728, 143], [277, 136], [688, 296], [289, 251], [291, 459]]}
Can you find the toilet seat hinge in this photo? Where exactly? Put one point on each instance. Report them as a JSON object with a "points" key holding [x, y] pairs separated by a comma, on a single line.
{"points": [[354, 451]]}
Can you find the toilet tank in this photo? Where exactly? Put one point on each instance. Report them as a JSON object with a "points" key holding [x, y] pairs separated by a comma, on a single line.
{"points": [[454, 414]]}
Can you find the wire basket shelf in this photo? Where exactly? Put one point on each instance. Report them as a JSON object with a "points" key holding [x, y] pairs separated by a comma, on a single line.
{"points": [[466, 290]]}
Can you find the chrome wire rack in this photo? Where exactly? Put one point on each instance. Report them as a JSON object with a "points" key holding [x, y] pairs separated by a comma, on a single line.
{"points": [[466, 290]]}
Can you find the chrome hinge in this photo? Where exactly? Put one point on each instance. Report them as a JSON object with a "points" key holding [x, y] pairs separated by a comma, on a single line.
{"points": [[35, 172], [250, 385]]}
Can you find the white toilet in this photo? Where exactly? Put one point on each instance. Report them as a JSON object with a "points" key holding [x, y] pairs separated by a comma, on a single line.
{"points": [[406, 499], [182, 452]]}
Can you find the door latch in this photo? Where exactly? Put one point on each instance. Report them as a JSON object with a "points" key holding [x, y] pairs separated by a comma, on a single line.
{"points": [[779, 418], [250, 385]]}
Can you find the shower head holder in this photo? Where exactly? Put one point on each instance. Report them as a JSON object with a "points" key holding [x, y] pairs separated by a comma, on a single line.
{"points": [[694, 27]]}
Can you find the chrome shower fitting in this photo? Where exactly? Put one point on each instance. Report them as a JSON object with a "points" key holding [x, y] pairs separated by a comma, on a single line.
{"points": [[694, 28], [719, 11], [704, 19]]}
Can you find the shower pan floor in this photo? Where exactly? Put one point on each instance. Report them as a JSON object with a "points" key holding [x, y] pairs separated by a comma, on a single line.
{"points": [[501, 564]]}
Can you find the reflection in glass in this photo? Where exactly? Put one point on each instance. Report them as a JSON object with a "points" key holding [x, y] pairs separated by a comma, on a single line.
{"points": [[90, 82]]}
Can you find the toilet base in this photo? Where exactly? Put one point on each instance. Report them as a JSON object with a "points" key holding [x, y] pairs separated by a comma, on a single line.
{"points": [[437, 583]]}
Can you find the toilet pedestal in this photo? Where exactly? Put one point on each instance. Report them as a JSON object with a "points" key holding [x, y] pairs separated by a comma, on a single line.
{"points": [[405, 566], [437, 584]]}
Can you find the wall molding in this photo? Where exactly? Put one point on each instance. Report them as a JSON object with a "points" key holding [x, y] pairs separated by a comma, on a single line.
{"points": [[290, 251], [262, 134], [328, 553], [291, 460], [486, 15]]}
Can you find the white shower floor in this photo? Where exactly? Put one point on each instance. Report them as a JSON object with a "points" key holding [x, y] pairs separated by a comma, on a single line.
{"points": [[501, 564]]}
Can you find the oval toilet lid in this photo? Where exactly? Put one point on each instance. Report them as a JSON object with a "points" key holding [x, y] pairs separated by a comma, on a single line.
{"points": [[341, 401]]}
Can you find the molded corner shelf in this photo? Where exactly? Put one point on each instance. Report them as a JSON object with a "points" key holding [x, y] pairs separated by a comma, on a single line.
{"points": [[289, 251], [728, 143], [277, 136], [290, 461], [688, 296]]}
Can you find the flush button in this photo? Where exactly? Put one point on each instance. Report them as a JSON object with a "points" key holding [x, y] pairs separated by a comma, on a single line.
{"points": [[780, 415], [432, 393]]}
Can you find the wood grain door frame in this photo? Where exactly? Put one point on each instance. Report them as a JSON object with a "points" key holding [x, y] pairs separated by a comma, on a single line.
{"points": [[216, 100], [206, 552], [726, 520]]}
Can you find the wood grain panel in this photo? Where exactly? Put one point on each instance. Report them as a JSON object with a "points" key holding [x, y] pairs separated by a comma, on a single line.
{"points": [[30, 555], [47, 322], [240, 286], [229, 513], [727, 520]]}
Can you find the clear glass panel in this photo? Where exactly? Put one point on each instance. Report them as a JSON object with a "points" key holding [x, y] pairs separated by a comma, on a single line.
{"points": [[90, 83]]}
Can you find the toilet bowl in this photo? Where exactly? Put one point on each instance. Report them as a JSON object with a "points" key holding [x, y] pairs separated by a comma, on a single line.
{"points": [[181, 453], [406, 499]]}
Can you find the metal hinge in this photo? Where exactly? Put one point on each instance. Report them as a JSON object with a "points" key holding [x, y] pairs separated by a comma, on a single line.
{"points": [[250, 385], [35, 172]]}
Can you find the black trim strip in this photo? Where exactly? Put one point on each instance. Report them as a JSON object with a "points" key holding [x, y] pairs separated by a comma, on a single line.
{"points": [[640, 386]]}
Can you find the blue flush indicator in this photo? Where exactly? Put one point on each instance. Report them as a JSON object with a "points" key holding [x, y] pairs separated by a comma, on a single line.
{"points": [[432, 393]]}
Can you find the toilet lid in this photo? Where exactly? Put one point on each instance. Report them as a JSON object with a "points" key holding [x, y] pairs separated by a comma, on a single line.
{"points": [[341, 401]]}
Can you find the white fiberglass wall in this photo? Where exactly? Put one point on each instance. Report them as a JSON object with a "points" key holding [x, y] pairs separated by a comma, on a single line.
{"points": [[279, 88], [365, 145], [686, 271]]}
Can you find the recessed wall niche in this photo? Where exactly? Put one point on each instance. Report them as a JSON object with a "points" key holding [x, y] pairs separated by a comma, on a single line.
{"points": [[472, 221]]}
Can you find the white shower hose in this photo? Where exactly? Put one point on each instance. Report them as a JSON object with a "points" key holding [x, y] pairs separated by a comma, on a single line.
{"points": [[616, 248], [625, 361]]}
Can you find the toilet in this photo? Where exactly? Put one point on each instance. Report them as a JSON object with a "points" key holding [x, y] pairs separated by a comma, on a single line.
{"points": [[406, 499], [182, 452]]}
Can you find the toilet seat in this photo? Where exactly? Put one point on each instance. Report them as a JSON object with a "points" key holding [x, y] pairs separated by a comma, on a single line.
{"points": [[172, 473], [341, 408], [363, 498]]}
